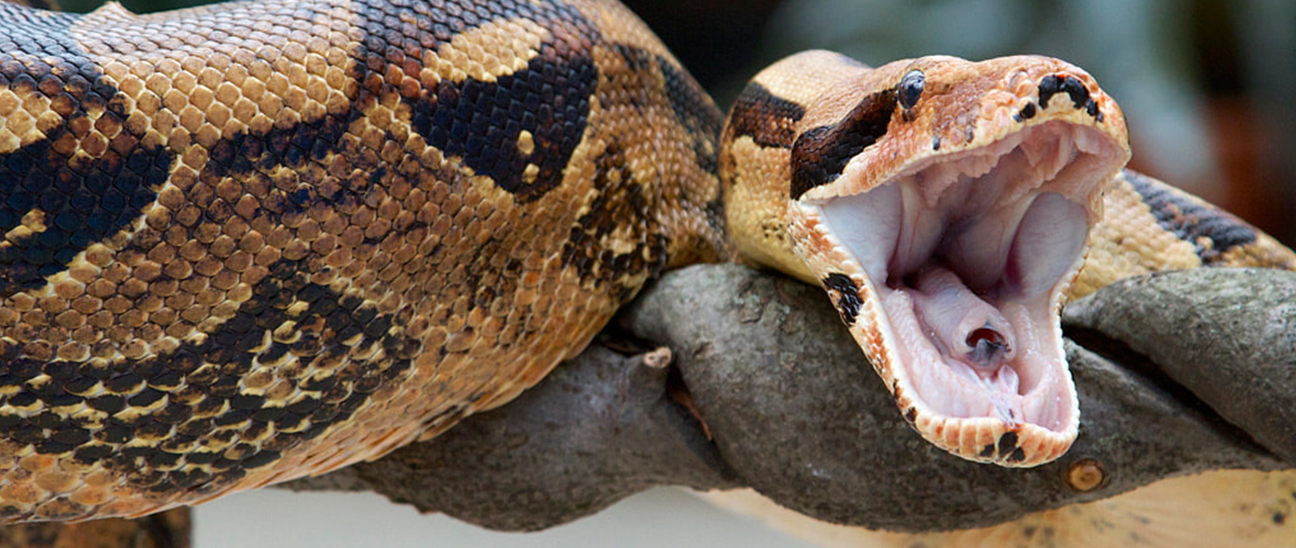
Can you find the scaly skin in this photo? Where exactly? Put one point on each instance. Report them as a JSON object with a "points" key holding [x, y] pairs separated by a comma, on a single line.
{"points": [[253, 241]]}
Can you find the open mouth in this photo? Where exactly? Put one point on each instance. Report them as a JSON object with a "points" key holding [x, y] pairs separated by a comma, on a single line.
{"points": [[968, 254]]}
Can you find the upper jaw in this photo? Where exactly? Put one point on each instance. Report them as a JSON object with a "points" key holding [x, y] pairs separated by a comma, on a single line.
{"points": [[961, 261]]}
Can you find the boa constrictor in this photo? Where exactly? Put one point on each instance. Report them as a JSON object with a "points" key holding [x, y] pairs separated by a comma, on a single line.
{"points": [[253, 241]]}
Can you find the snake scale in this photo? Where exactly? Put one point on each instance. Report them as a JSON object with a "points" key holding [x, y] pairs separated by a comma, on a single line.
{"points": [[253, 241]]}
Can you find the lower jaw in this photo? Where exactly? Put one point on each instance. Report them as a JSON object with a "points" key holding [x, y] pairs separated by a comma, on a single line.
{"points": [[1043, 400], [1015, 393], [965, 436], [989, 440]]}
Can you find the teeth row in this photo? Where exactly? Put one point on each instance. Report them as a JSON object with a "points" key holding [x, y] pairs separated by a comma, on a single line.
{"points": [[921, 212], [1047, 156]]}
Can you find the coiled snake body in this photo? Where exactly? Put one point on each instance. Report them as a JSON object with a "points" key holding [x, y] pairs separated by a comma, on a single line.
{"points": [[259, 240]]}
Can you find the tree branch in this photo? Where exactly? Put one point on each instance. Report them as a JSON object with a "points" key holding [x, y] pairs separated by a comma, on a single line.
{"points": [[796, 413]]}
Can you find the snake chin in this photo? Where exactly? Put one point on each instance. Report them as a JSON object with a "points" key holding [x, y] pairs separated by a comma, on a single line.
{"points": [[967, 257]]}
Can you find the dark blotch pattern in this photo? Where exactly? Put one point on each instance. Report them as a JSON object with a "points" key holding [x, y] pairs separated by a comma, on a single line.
{"points": [[480, 122], [1007, 443], [195, 404], [262, 303], [1092, 109], [1075, 89], [215, 420], [768, 119], [1211, 231], [624, 195], [693, 107], [85, 180], [621, 200], [703, 122], [848, 300], [253, 154], [1026, 113], [820, 154]]}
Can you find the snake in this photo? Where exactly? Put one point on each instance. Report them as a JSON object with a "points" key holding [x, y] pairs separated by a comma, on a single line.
{"points": [[253, 241]]}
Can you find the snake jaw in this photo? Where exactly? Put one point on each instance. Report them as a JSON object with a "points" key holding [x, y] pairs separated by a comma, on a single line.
{"points": [[958, 265]]}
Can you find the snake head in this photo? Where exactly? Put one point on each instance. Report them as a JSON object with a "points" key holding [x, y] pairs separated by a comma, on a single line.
{"points": [[945, 206]]}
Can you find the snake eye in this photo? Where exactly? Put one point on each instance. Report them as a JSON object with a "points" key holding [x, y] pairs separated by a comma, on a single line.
{"points": [[910, 88]]}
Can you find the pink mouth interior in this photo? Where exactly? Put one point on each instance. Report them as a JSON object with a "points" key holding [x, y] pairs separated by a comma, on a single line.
{"points": [[966, 253]]}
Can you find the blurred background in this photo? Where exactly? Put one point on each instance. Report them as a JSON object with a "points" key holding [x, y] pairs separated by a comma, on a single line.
{"points": [[1208, 86], [658, 518]]}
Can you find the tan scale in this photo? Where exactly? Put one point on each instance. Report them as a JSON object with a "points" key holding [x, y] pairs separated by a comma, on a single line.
{"points": [[1130, 242], [475, 277], [758, 228]]}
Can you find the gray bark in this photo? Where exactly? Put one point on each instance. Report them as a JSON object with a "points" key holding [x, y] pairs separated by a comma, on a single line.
{"points": [[794, 410]]}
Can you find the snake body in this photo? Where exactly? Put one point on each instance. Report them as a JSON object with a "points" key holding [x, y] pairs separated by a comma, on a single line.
{"points": [[253, 241], [258, 240]]}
